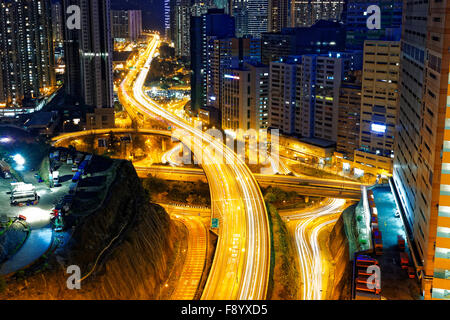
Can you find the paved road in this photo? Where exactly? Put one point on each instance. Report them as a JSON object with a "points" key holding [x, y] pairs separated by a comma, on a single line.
{"points": [[307, 228], [36, 245], [241, 272], [194, 264]]}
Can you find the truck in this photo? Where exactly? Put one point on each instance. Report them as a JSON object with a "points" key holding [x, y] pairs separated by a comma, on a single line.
{"points": [[411, 272], [22, 193], [404, 260], [55, 175], [79, 157], [5, 170], [83, 166], [364, 287], [77, 176], [377, 234], [368, 279], [56, 155], [363, 261], [401, 243], [378, 244]]}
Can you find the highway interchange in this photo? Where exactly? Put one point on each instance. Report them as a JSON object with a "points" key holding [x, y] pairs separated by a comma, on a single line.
{"points": [[241, 265]]}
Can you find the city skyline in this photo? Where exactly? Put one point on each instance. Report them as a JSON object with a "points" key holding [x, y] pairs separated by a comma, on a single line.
{"points": [[224, 150]]}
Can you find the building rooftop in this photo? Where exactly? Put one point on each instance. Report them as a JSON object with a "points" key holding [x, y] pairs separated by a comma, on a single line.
{"points": [[319, 142]]}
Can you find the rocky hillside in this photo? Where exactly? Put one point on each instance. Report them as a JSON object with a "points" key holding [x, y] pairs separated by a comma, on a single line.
{"points": [[339, 249], [136, 239]]}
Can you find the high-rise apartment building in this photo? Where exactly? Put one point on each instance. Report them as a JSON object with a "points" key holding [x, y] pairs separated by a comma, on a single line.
{"points": [[356, 16], [282, 95], [349, 115], [304, 94], [421, 165], [379, 105], [307, 12], [26, 54], [88, 54], [323, 37], [279, 15], [205, 30], [239, 10], [258, 13], [182, 37], [57, 23], [318, 102], [126, 24], [245, 97]]}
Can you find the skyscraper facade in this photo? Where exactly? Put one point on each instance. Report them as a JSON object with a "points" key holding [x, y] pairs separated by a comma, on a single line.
{"points": [[421, 165], [245, 97], [307, 12], [88, 54], [26, 53], [205, 30], [126, 24], [349, 115], [239, 10], [258, 13], [323, 37], [356, 16], [279, 15], [379, 104]]}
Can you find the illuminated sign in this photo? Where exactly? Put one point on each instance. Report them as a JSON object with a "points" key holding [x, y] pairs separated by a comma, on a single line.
{"points": [[229, 76], [378, 128]]}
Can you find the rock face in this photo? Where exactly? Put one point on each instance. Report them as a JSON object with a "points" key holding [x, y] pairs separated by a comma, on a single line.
{"points": [[137, 236], [339, 249]]}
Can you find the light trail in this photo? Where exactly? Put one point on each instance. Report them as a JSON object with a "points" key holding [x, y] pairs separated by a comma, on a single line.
{"points": [[236, 199], [170, 156], [308, 248], [194, 264]]}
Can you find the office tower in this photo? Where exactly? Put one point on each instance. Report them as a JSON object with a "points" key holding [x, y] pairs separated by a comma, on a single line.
{"points": [[307, 12], [26, 55], [88, 54], [279, 15], [356, 22], [57, 23], [245, 97], [258, 12], [318, 102], [421, 147], [126, 25], [349, 115], [239, 11], [379, 105], [204, 30], [323, 37]]}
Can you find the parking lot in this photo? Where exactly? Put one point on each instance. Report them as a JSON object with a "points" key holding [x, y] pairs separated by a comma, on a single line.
{"points": [[395, 283], [38, 215]]}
